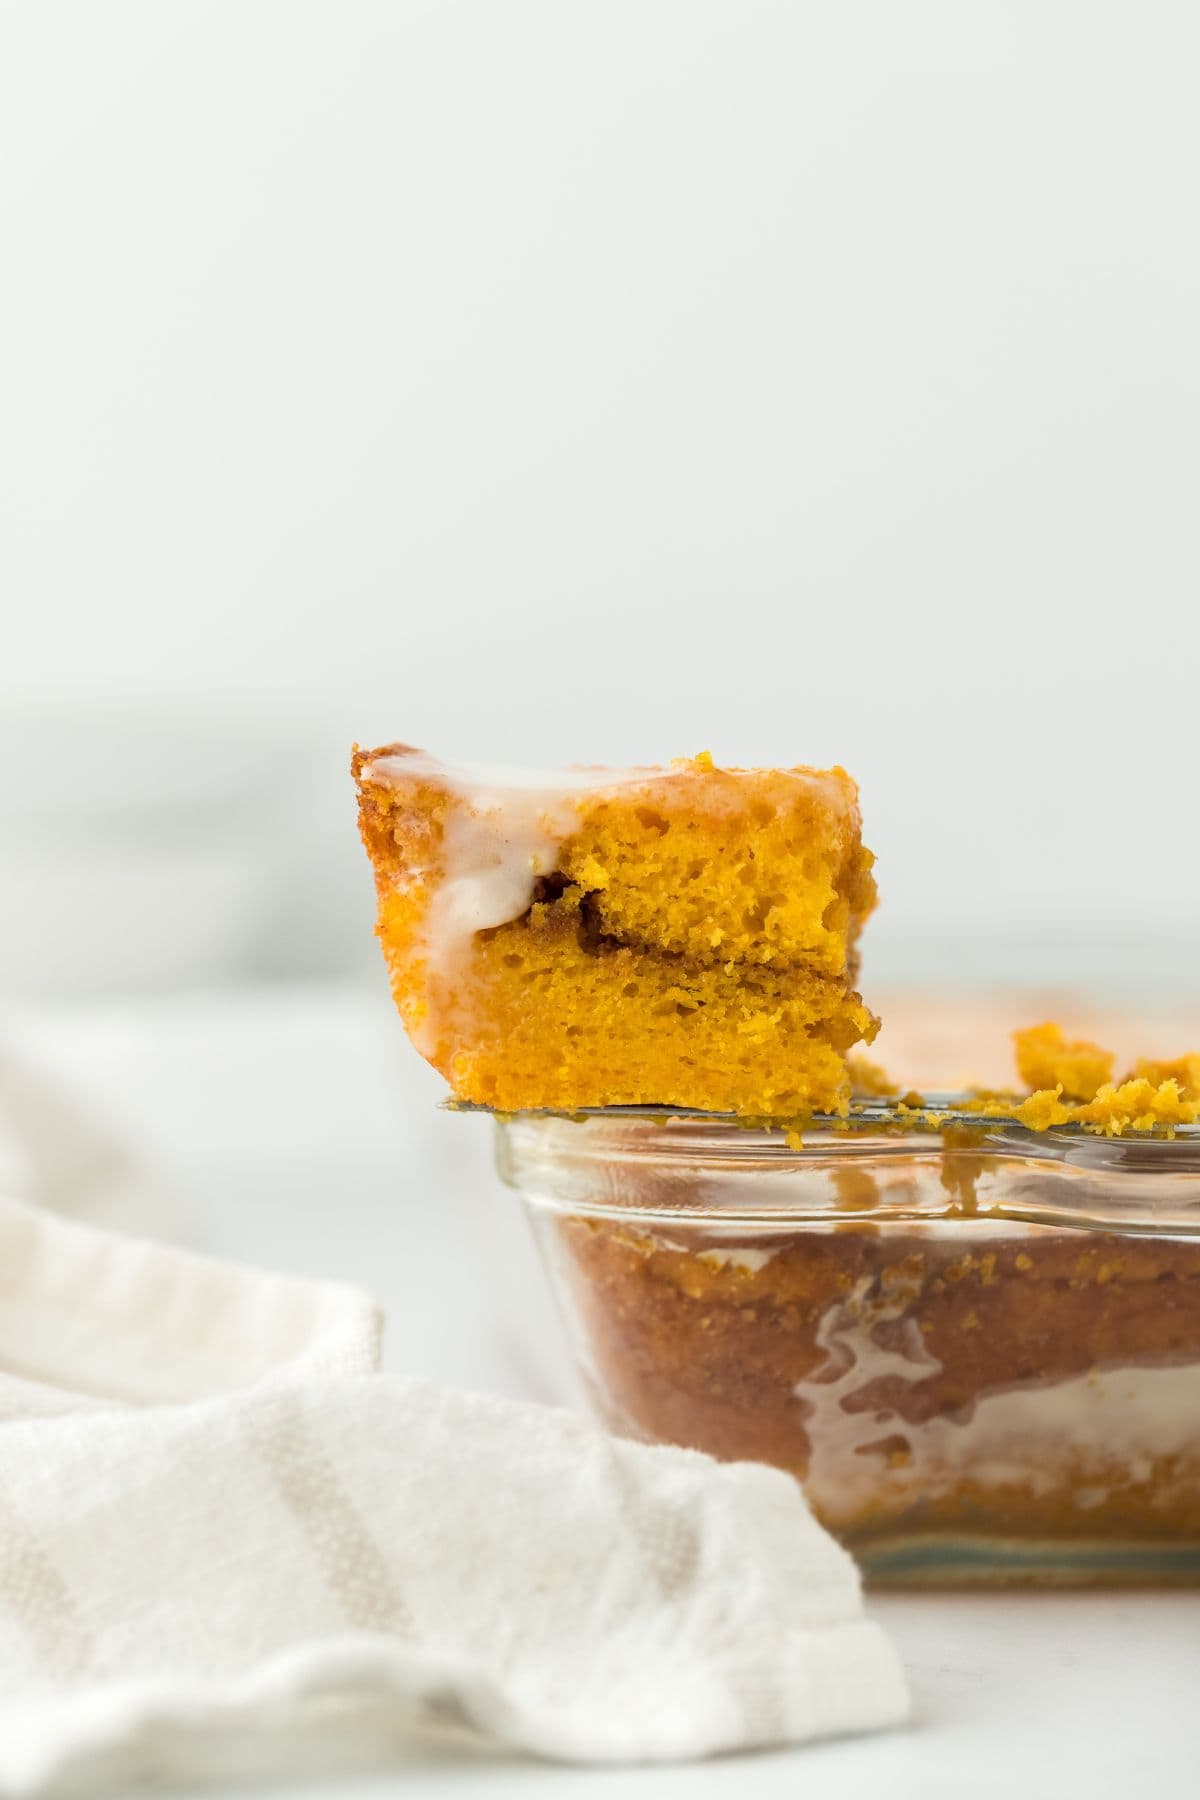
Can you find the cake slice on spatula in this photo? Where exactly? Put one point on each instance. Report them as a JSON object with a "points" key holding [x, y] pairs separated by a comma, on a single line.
{"points": [[682, 936]]}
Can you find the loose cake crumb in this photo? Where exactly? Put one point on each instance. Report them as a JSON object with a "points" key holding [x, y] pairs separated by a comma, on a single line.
{"points": [[1043, 1109], [1046, 1058], [1184, 1070], [1154, 1096]]}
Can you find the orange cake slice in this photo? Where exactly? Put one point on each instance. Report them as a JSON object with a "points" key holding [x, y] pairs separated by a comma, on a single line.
{"points": [[681, 936]]}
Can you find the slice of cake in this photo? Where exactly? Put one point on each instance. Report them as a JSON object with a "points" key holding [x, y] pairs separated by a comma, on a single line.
{"points": [[682, 936]]}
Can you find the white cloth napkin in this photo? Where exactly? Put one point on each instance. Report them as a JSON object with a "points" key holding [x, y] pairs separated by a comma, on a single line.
{"points": [[228, 1544]]}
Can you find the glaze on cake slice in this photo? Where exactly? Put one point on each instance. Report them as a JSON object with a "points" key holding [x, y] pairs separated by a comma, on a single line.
{"points": [[681, 936]]}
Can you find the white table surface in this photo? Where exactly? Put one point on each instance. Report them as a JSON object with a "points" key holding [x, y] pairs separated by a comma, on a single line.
{"points": [[295, 1129]]}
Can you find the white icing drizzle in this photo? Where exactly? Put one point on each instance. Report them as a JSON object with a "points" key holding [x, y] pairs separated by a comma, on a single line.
{"points": [[738, 1256], [494, 784], [505, 833], [493, 856]]}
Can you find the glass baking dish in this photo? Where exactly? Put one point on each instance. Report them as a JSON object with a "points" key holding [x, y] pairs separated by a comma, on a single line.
{"points": [[978, 1350]]}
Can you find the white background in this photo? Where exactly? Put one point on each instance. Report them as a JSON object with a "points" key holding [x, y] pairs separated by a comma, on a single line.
{"points": [[576, 382]]}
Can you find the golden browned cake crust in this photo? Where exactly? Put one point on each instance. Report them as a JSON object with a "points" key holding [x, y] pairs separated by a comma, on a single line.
{"points": [[682, 936]]}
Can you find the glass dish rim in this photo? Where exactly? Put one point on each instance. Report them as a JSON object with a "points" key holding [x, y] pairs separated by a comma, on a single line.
{"points": [[1138, 1184]]}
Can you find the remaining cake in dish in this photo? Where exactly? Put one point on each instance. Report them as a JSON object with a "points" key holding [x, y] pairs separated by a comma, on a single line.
{"points": [[682, 936], [1047, 1058], [1003, 1385], [981, 1358]]}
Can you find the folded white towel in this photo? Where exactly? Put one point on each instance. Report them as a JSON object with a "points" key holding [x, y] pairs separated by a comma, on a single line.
{"points": [[226, 1542]]}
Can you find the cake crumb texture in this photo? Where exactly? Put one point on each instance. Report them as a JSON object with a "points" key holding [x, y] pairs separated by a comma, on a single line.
{"points": [[683, 936], [1046, 1059]]}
